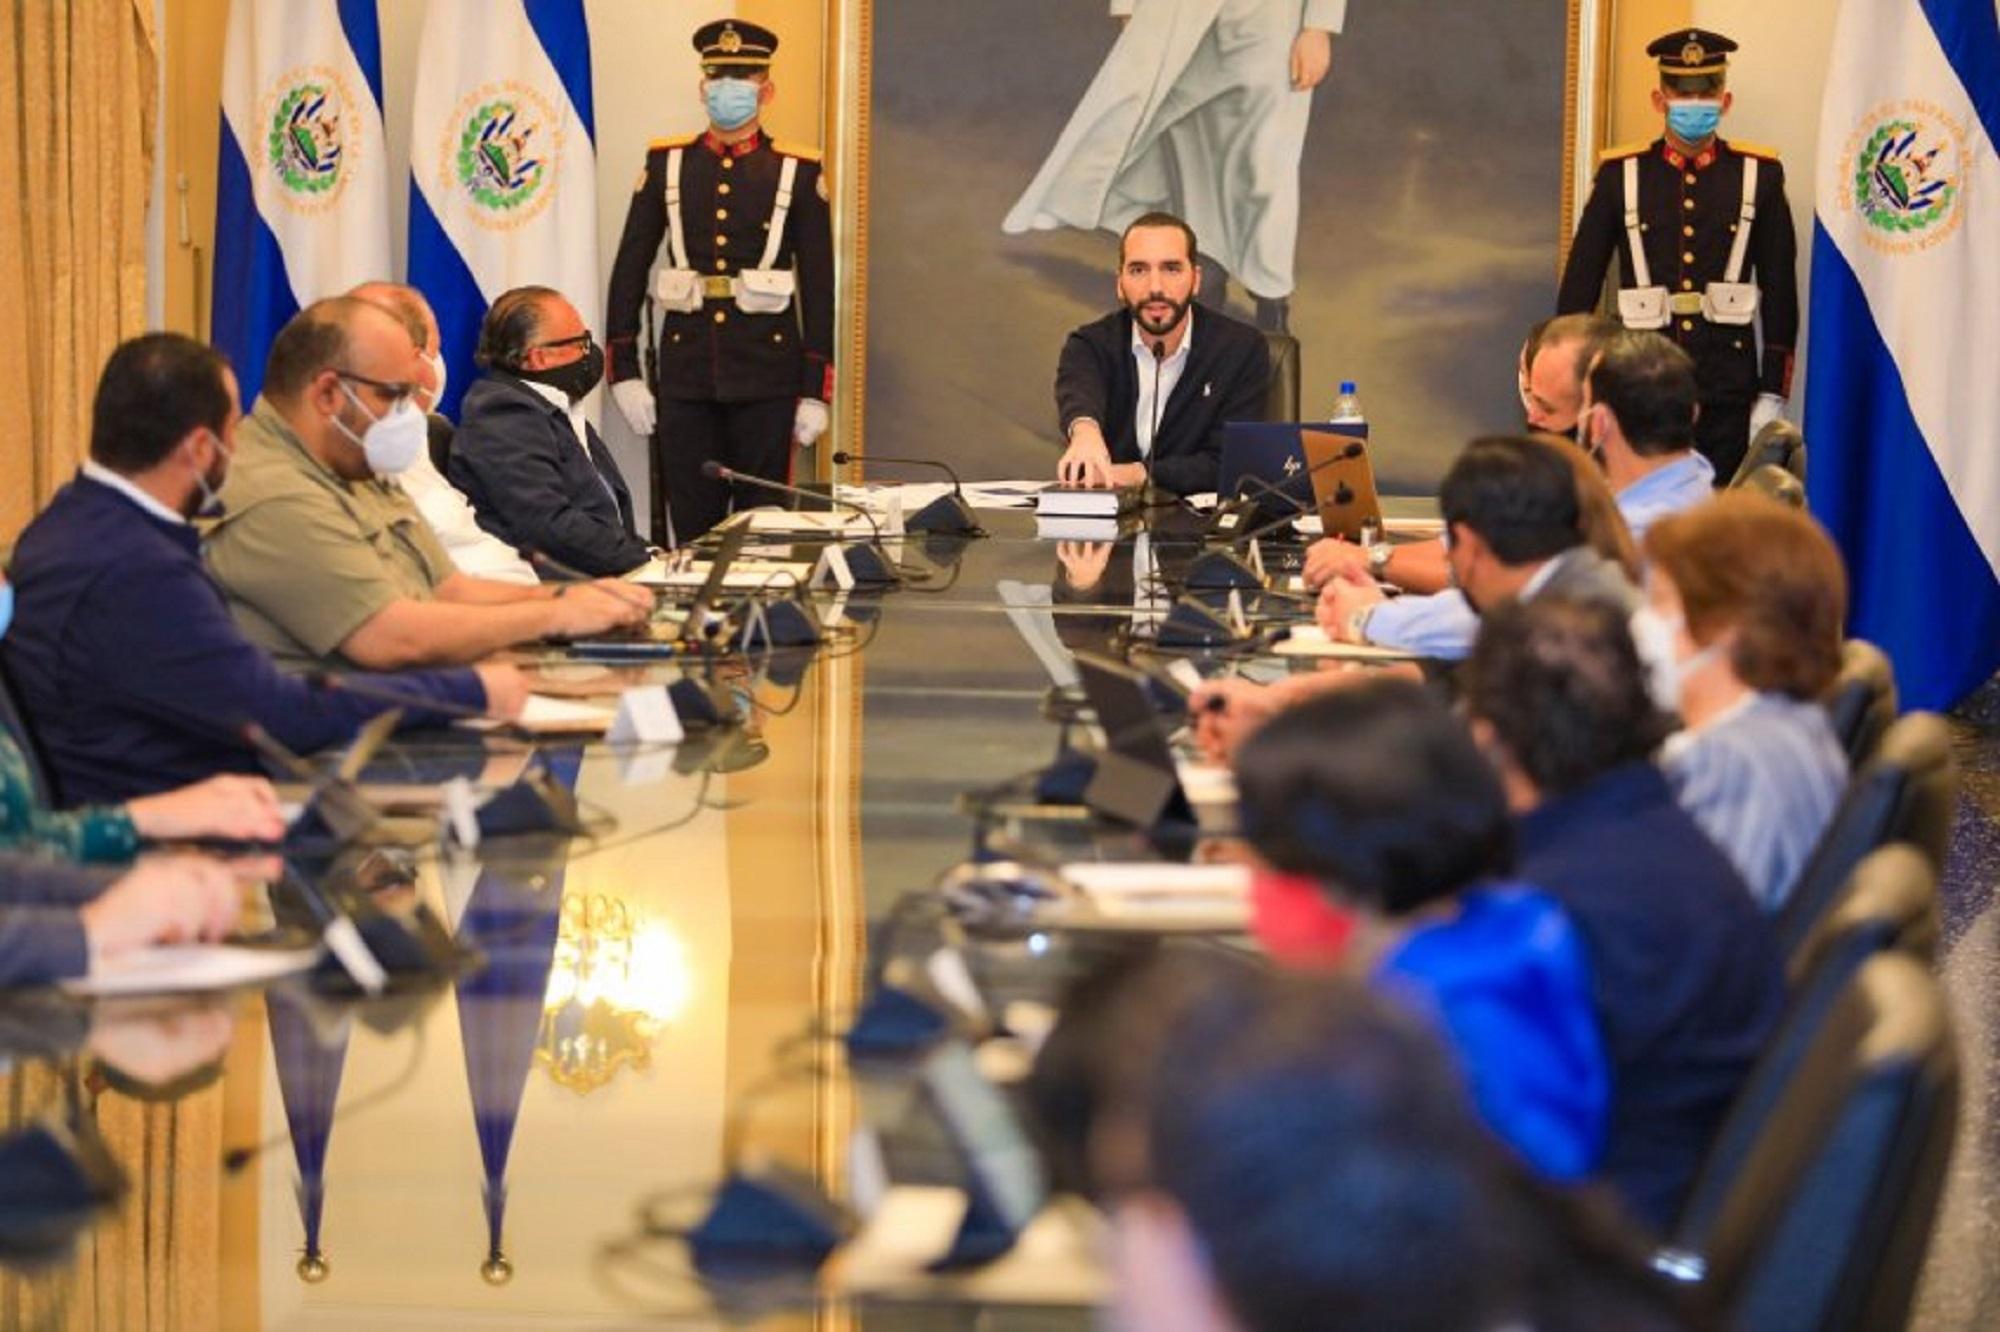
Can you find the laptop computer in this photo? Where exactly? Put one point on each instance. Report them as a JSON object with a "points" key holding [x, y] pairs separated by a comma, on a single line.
{"points": [[1136, 781], [1343, 481], [1258, 455]]}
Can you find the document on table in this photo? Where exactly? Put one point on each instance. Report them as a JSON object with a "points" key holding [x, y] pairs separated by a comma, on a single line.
{"points": [[1217, 895], [545, 715], [742, 576], [1411, 529], [1309, 640], [179, 968]]}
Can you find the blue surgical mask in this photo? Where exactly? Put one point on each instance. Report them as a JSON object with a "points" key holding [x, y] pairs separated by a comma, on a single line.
{"points": [[6, 607], [1694, 121], [732, 103]]}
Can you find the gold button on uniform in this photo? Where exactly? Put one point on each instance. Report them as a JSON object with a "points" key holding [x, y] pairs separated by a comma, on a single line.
{"points": [[1687, 325], [1687, 284], [722, 214], [722, 317], [1687, 256], [1688, 204], [1689, 177], [728, 164], [723, 188], [721, 264], [1687, 231]]}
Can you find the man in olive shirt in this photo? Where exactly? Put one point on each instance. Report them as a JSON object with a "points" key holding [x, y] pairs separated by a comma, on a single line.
{"points": [[325, 563]]}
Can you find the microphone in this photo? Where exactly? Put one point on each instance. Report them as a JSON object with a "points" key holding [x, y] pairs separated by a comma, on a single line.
{"points": [[1277, 488], [947, 513], [1222, 568], [867, 561], [1159, 346]]}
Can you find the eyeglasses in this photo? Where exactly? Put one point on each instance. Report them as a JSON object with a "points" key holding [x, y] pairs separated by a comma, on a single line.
{"points": [[582, 339], [395, 391]]}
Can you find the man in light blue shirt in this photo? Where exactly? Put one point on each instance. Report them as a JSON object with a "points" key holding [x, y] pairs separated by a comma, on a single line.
{"points": [[1637, 418]]}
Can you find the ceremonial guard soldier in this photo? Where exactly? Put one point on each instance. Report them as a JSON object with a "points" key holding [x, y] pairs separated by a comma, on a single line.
{"points": [[1703, 237], [724, 349]]}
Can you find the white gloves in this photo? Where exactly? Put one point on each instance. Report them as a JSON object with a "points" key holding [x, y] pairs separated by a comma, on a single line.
{"points": [[635, 404], [810, 422], [1768, 408]]}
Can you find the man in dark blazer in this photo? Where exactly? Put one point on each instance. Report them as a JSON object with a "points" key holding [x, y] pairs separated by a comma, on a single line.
{"points": [[532, 465], [1142, 394]]}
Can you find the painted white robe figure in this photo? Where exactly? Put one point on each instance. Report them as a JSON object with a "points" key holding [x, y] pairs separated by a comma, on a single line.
{"points": [[1196, 110]]}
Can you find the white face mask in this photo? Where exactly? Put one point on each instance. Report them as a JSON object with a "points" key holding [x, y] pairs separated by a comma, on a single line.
{"points": [[436, 395], [1653, 637], [392, 443], [210, 503]]}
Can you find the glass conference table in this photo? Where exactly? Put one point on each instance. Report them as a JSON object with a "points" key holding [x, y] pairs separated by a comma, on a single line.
{"points": [[522, 1146]]}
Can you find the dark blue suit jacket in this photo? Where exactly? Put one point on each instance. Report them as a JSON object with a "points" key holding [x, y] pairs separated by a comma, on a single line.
{"points": [[1685, 969], [129, 669], [1227, 378], [516, 459]]}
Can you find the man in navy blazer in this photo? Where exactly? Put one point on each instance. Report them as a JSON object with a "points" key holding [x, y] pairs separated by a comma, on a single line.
{"points": [[1142, 394], [532, 465]]}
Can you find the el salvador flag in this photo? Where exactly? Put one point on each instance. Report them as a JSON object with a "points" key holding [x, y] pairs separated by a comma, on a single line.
{"points": [[302, 193], [1903, 398], [503, 165]]}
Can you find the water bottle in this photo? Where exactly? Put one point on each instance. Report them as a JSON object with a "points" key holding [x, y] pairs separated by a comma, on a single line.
{"points": [[1347, 407]]}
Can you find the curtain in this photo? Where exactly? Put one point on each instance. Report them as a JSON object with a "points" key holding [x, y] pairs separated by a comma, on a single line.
{"points": [[78, 83], [153, 1263]]}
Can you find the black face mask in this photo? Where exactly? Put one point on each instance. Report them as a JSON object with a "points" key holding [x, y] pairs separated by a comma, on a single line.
{"points": [[577, 378]]}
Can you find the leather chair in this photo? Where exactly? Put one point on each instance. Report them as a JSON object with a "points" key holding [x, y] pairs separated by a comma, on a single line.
{"points": [[1889, 902], [442, 432], [1907, 793], [16, 723], [1816, 1210], [1861, 702], [1779, 445], [1281, 403]]}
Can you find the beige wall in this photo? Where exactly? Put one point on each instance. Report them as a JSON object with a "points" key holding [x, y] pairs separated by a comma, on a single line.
{"points": [[644, 76], [1778, 77]]}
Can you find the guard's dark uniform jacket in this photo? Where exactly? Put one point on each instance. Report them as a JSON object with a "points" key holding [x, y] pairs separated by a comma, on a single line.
{"points": [[727, 381], [1689, 211]]}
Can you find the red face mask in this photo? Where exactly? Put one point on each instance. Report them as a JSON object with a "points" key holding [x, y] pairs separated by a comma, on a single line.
{"points": [[1295, 920]]}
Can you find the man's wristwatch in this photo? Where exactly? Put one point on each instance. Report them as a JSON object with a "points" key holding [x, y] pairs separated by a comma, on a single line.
{"points": [[1379, 552]]}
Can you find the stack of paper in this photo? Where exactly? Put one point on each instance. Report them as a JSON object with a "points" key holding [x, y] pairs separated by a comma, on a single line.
{"points": [[1078, 502], [1309, 640], [742, 576], [562, 716], [1217, 894], [1076, 529]]}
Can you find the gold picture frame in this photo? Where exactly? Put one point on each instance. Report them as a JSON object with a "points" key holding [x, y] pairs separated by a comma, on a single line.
{"points": [[849, 70]]}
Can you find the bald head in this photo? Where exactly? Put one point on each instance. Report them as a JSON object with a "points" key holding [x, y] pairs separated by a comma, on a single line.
{"points": [[418, 319], [408, 305], [1557, 360], [341, 335]]}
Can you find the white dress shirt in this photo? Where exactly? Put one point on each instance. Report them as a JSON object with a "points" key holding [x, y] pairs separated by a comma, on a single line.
{"points": [[1169, 375], [579, 424], [476, 551], [103, 475]]}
